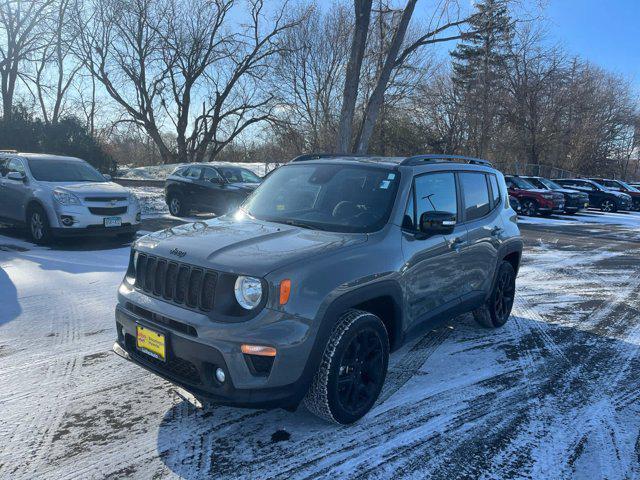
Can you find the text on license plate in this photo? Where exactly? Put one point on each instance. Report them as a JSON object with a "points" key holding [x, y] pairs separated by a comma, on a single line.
{"points": [[113, 222], [150, 342]]}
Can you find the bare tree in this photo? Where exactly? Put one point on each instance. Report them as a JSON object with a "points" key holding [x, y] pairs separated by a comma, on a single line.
{"points": [[20, 34], [176, 63], [54, 68], [362, 11]]}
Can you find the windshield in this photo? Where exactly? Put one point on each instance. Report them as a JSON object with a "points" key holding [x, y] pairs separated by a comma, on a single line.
{"points": [[46, 170], [627, 186], [238, 175], [544, 183], [521, 183], [336, 198]]}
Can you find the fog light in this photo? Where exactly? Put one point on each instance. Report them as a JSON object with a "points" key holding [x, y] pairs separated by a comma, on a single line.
{"points": [[220, 376], [67, 220]]}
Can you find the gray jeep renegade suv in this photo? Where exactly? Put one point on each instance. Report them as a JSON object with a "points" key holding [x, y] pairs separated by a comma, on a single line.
{"points": [[329, 265]]}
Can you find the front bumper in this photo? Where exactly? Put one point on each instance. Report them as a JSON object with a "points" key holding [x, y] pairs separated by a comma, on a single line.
{"points": [[87, 219], [95, 231], [196, 346]]}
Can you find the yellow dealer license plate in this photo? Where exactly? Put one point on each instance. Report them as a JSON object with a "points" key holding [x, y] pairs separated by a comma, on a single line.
{"points": [[150, 342]]}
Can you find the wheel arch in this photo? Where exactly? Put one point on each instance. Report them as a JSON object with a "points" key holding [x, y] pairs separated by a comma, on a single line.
{"points": [[377, 297]]}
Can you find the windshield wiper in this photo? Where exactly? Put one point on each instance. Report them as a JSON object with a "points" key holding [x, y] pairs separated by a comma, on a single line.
{"points": [[298, 223]]}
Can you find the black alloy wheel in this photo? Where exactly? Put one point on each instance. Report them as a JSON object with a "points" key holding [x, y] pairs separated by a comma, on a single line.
{"points": [[504, 295], [361, 372]]}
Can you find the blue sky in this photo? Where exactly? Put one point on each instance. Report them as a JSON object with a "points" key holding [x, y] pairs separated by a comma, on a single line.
{"points": [[606, 32]]}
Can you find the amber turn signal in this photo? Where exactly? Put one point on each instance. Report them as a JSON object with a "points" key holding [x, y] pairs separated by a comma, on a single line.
{"points": [[260, 350], [285, 291]]}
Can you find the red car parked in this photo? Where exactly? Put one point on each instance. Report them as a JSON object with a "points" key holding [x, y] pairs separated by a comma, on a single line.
{"points": [[534, 201]]}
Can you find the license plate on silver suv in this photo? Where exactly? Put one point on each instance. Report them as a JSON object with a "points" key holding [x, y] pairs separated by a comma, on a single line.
{"points": [[113, 222]]}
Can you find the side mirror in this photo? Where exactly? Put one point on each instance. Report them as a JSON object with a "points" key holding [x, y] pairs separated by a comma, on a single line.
{"points": [[107, 177], [16, 176], [442, 223]]}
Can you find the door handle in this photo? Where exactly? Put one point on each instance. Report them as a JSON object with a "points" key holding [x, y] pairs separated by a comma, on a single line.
{"points": [[456, 243]]}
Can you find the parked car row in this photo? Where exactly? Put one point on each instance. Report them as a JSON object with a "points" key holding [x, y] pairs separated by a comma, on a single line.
{"points": [[531, 195]]}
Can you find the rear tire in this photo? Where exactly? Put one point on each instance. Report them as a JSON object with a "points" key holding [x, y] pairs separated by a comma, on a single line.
{"points": [[352, 370], [176, 205], [38, 226], [608, 206], [496, 310], [529, 208]]}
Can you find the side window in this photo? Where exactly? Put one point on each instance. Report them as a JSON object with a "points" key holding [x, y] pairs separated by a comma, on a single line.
{"points": [[193, 172], [435, 192], [3, 166], [476, 195], [612, 185], [210, 173], [509, 183], [495, 189]]}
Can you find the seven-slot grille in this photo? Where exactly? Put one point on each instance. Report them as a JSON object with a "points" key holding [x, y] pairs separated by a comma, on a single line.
{"points": [[108, 210], [176, 282]]}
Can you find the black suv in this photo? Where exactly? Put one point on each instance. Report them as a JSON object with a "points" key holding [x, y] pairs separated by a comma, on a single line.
{"points": [[620, 186], [330, 264], [574, 200], [599, 196], [208, 188]]}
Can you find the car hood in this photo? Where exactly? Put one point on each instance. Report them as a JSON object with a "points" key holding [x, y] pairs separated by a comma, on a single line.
{"points": [[87, 189], [567, 190], [243, 246]]}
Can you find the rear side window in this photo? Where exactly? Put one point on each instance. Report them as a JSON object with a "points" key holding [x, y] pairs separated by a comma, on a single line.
{"points": [[210, 173], [193, 172], [435, 192], [476, 195], [495, 189]]}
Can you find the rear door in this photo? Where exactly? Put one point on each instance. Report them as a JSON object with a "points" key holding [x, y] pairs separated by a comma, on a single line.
{"points": [[191, 186], [482, 219], [431, 275], [214, 192]]}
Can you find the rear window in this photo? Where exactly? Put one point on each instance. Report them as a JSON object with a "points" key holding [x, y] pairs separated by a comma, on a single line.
{"points": [[47, 170], [476, 195]]}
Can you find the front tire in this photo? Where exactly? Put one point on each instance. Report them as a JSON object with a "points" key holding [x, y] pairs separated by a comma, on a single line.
{"points": [[496, 310], [352, 371], [38, 225]]}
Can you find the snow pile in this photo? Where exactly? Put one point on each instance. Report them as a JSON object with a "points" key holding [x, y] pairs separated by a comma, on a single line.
{"points": [[151, 199], [160, 172]]}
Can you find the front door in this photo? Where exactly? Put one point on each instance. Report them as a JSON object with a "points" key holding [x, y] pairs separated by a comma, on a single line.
{"points": [[431, 275]]}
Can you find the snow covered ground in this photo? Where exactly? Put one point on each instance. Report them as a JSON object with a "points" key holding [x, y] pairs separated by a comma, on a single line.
{"points": [[553, 394]]}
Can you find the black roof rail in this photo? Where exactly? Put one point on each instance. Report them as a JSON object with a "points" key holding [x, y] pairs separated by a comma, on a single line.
{"points": [[416, 159], [319, 156]]}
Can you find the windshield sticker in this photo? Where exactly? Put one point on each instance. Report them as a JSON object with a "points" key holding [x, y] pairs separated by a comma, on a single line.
{"points": [[391, 176], [385, 184]]}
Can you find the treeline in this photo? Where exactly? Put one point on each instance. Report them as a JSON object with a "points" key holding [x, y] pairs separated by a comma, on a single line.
{"points": [[150, 81]]}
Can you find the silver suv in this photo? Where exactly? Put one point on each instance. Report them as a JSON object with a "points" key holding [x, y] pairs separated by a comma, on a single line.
{"points": [[57, 196], [331, 263]]}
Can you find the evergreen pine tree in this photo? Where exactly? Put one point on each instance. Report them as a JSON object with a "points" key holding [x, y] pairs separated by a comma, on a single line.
{"points": [[478, 61]]}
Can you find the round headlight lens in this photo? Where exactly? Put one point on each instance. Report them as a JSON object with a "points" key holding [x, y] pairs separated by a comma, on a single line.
{"points": [[248, 292]]}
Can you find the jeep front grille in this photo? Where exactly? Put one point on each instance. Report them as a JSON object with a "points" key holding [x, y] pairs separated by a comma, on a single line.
{"points": [[176, 282]]}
